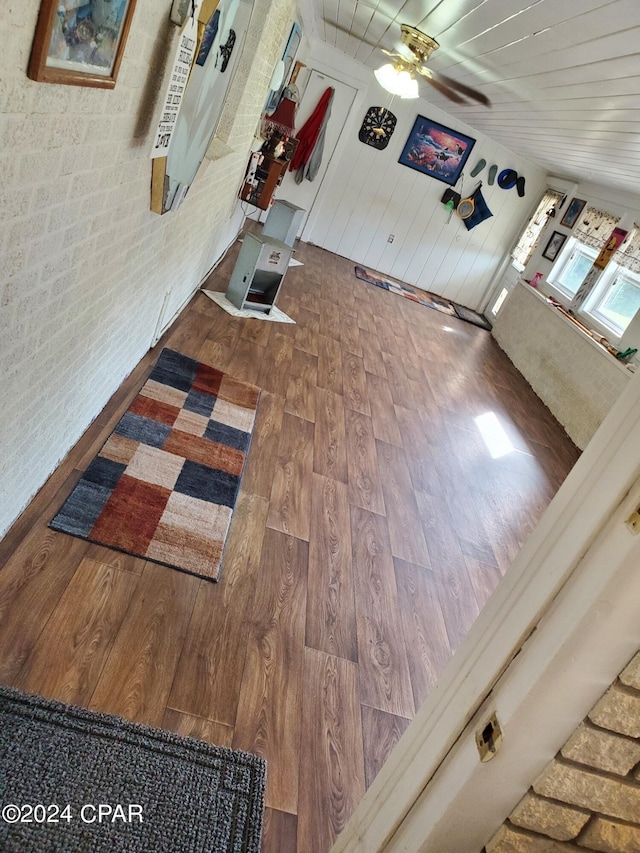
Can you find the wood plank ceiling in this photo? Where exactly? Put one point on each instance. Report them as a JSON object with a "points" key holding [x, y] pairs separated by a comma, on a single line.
{"points": [[563, 77]]}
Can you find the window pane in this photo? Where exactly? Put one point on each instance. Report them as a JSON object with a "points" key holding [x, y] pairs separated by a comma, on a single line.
{"points": [[620, 303], [574, 272]]}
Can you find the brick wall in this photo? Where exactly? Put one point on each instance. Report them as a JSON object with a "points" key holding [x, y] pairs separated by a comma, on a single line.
{"points": [[588, 797], [85, 267]]}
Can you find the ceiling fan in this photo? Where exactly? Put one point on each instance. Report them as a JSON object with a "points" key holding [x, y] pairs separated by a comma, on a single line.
{"points": [[421, 46]]}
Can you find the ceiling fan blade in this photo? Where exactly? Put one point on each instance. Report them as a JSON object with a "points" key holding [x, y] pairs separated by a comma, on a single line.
{"points": [[443, 84], [429, 76], [349, 32], [394, 54], [474, 94]]}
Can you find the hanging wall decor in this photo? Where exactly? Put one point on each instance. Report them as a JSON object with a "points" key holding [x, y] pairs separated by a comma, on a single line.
{"points": [[226, 50], [377, 127], [572, 212], [177, 78], [208, 37], [436, 150], [176, 164], [80, 42], [616, 239], [293, 43], [479, 209], [552, 249]]}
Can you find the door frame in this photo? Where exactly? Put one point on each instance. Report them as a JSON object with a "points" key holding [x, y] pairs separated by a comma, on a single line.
{"points": [[328, 156], [557, 626], [332, 63]]}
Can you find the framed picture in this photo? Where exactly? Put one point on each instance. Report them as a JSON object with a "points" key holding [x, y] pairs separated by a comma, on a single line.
{"points": [[436, 150], [293, 43], [554, 245], [80, 42], [572, 212]]}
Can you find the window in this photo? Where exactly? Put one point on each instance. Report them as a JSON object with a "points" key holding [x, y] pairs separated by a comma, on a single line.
{"points": [[569, 271], [530, 237], [497, 305], [614, 296], [615, 299]]}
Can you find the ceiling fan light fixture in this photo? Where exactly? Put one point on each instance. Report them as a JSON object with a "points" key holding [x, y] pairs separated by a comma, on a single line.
{"points": [[409, 86], [387, 76], [397, 81]]}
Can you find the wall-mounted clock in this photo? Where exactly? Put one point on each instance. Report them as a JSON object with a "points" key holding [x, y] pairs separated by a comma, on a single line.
{"points": [[377, 127]]}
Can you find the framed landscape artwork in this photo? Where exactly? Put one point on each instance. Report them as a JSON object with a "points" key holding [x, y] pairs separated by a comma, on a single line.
{"points": [[436, 150], [80, 42], [572, 212]]}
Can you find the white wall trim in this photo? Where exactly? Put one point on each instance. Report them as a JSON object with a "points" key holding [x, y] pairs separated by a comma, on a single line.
{"points": [[589, 634], [163, 324], [606, 472]]}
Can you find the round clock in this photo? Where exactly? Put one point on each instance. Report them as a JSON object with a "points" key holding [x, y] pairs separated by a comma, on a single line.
{"points": [[377, 127]]}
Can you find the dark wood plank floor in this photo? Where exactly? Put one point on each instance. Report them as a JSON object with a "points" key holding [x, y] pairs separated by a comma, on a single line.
{"points": [[371, 527]]}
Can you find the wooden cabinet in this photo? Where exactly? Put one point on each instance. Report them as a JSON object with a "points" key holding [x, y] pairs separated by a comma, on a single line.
{"points": [[268, 176], [260, 268]]}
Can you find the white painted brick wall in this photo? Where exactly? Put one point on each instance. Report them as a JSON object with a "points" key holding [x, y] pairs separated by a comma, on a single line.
{"points": [[586, 795], [84, 264], [577, 382]]}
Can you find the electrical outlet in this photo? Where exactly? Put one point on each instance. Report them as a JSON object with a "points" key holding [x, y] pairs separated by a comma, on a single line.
{"points": [[391, 238], [489, 738]]}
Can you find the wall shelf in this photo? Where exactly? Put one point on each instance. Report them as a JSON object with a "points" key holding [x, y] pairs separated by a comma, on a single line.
{"points": [[268, 178]]}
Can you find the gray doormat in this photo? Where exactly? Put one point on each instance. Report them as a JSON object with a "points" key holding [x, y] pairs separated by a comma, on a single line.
{"points": [[471, 316], [75, 780]]}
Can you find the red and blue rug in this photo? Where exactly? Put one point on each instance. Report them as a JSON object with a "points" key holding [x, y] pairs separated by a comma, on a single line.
{"points": [[423, 297], [164, 485]]}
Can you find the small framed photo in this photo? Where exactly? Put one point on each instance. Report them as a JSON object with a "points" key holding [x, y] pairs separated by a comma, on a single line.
{"points": [[572, 212], [80, 42], [554, 245], [436, 150]]}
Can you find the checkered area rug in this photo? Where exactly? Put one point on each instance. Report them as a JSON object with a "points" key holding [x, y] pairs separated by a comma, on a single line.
{"points": [[165, 483]]}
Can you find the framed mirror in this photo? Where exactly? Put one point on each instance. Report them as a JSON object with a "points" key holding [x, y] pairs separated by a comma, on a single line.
{"points": [[222, 29]]}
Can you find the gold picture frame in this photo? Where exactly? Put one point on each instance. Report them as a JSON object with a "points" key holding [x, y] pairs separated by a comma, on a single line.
{"points": [[80, 42]]}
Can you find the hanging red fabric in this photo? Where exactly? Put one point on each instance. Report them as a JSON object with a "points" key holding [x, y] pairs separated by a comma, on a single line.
{"points": [[308, 134]]}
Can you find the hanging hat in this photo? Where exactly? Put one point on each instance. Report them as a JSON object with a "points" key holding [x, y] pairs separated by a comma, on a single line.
{"points": [[507, 179]]}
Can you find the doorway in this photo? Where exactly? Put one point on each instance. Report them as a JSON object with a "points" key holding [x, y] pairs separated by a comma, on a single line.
{"points": [[304, 194]]}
